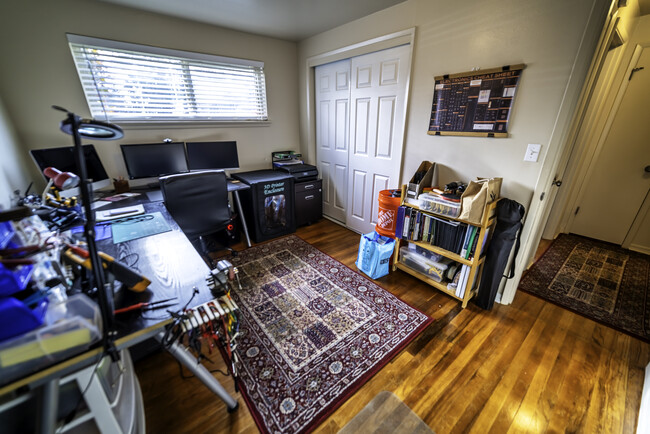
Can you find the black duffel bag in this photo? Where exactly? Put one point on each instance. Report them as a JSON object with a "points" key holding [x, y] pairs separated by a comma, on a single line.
{"points": [[507, 232]]}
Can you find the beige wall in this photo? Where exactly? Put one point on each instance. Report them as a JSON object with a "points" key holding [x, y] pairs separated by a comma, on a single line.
{"points": [[12, 175], [37, 71], [455, 37]]}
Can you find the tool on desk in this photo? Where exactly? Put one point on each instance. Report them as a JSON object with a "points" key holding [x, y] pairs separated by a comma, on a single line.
{"points": [[112, 214], [129, 277], [147, 306]]}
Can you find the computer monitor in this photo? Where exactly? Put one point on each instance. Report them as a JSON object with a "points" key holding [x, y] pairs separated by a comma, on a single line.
{"points": [[148, 160], [212, 155], [63, 159]]}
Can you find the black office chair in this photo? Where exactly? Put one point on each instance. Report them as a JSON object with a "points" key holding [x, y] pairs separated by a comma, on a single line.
{"points": [[198, 202]]}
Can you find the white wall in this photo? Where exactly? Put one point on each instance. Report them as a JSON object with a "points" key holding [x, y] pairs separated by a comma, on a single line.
{"points": [[455, 37], [37, 71], [12, 166]]}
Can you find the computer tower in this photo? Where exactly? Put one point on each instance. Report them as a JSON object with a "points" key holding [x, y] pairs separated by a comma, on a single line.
{"points": [[268, 205]]}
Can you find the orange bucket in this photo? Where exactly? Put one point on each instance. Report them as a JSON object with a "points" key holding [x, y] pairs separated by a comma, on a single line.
{"points": [[389, 201]]}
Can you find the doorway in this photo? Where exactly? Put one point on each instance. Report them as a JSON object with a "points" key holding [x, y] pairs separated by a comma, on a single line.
{"points": [[618, 180]]}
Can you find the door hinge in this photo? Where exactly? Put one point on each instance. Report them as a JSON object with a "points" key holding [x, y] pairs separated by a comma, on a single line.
{"points": [[633, 71], [576, 212], [541, 196]]}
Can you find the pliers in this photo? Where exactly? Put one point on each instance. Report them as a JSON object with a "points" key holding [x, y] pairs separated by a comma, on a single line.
{"points": [[146, 306]]}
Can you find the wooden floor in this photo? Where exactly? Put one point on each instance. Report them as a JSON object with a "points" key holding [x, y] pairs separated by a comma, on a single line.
{"points": [[526, 367]]}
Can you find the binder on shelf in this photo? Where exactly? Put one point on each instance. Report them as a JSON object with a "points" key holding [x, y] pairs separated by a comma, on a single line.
{"points": [[471, 243], [399, 221], [466, 245], [485, 238]]}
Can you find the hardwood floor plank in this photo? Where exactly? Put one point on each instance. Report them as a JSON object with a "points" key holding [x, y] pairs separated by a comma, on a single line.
{"points": [[530, 366], [507, 396], [531, 412]]}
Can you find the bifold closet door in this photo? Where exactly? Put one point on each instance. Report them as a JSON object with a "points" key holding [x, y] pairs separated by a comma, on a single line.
{"points": [[332, 95], [360, 112], [377, 112]]}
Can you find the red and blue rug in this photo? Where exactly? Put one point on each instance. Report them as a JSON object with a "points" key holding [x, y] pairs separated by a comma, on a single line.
{"points": [[312, 331], [595, 279]]}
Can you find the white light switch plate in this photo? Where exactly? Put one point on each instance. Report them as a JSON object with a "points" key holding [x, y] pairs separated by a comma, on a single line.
{"points": [[532, 152]]}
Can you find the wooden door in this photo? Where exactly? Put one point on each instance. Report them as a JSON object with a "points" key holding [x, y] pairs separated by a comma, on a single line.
{"points": [[332, 95], [617, 184], [377, 107]]}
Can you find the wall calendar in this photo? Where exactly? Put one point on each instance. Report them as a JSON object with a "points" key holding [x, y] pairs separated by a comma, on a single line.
{"points": [[476, 103]]}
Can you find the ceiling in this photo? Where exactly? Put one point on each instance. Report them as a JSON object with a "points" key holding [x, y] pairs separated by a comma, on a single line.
{"points": [[291, 20]]}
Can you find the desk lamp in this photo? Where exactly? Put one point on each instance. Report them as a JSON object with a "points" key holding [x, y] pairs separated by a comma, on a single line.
{"points": [[91, 129], [61, 180]]}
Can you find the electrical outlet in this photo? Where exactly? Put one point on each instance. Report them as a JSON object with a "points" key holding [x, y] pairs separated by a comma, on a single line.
{"points": [[532, 152]]}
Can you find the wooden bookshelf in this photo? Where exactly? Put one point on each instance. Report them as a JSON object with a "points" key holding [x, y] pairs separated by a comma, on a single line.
{"points": [[474, 263]]}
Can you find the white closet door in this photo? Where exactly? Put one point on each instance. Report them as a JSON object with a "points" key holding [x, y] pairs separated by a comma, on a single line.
{"points": [[377, 106], [332, 82]]}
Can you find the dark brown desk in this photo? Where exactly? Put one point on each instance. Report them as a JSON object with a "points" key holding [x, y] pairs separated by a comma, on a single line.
{"points": [[174, 267], [167, 259]]}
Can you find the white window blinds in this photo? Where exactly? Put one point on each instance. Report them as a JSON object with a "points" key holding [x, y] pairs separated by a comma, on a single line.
{"points": [[130, 82]]}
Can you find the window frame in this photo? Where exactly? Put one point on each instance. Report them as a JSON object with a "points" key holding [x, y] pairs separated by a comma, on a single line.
{"points": [[187, 56]]}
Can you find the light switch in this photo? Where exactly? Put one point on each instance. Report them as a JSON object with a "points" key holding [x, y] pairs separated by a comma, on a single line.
{"points": [[532, 152]]}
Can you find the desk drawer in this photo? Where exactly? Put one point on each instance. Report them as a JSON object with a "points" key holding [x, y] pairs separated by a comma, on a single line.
{"points": [[309, 206], [308, 186]]}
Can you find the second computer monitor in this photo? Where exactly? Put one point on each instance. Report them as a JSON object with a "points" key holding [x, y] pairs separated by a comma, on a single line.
{"points": [[63, 159], [155, 159], [212, 155]]}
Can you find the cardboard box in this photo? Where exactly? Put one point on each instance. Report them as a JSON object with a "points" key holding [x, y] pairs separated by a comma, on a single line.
{"points": [[419, 181]]}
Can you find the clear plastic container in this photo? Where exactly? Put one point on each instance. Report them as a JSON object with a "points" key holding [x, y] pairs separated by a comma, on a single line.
{"points": [[74, 325], [433, 269], [435, 257], [437, 205]]}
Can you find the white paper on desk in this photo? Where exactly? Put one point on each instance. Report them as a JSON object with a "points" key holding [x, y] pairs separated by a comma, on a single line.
{"points": [[118, 213], [99, 204]]}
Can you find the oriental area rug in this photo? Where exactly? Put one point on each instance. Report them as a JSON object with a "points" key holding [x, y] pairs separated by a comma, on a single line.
{"points": [[312, 331], [595, 279]]}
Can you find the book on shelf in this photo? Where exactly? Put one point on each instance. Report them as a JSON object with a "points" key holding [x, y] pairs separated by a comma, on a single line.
{"points": [[468, 252], [399, 221], [415, 225], [414, 217], [485, 238], [468, 233], [474, 244], [407, 222], [462, 281]]}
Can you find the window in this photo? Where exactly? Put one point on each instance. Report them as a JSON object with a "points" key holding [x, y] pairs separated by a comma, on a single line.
{"points": [[130, 82]]}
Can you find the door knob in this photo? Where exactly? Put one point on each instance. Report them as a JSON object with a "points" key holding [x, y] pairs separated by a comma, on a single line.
{"points": [[647, 169]]}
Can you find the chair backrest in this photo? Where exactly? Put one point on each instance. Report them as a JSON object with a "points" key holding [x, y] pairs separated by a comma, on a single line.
{"points": [[198, 201]]}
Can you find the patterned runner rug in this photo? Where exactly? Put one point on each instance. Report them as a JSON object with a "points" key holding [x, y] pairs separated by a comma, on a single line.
{"points": [[598, 280], [312, 332]]}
